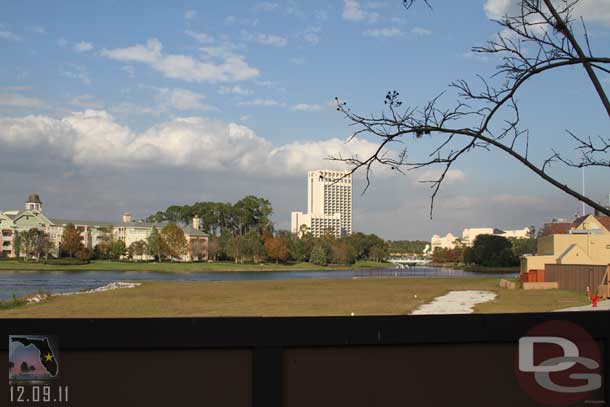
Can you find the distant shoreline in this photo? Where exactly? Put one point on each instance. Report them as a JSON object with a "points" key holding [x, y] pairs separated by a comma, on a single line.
{"points": [[477, 269], [220, 267]]}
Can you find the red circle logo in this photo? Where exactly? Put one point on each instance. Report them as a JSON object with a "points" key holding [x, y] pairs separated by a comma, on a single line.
{"points": [[558, 363]]}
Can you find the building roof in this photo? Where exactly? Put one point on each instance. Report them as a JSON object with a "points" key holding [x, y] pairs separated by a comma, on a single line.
{"points": [[558, 228], [603, 219], [188, 229], [92, 223], [33, 198]]}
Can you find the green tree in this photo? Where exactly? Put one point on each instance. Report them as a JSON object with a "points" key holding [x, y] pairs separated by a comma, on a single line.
{"points": [[252, 246], [175, 239], [493, 251], [523, 246], [17, 244], [156, 244], [378, 253], [71, 240], [118, 249], [140, 248], [318, 256]]}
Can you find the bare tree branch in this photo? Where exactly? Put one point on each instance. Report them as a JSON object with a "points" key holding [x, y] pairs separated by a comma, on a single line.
{"points": [[537, 40]]}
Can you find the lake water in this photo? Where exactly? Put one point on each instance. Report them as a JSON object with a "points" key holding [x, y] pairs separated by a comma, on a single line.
{"points": [[21, 283]]}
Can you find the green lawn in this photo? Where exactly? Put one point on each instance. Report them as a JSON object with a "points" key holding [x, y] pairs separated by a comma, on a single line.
{"points": [[382, 296], [180, 267]]}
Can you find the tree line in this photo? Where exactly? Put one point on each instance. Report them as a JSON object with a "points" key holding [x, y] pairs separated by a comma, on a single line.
{"points": [[283, 247], [488, 250], [249, 214]]}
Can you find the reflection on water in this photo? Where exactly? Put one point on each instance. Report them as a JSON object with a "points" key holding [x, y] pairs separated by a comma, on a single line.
{"points": [[22, 283]]}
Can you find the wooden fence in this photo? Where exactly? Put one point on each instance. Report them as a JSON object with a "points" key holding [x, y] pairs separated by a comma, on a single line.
{"points": [[575, 277]]}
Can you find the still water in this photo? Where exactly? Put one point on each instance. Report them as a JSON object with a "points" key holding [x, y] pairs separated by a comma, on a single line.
{"points": [[21, 283]]}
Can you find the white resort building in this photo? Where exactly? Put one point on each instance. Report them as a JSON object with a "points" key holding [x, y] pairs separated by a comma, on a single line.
{"points": [[329, 205], [13, 222], [469, 235]]}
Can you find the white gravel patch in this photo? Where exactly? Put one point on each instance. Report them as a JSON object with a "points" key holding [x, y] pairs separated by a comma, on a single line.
{"points": [[455, 302], [36, 298]]}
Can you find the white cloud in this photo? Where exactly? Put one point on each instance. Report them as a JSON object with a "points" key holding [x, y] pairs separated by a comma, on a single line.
{"points": [[353, 11], [83, 46], [304, 107], [386, 32], [265, 6], [7, 35], [421, 31], [39, 29], [235, 90], [182, 99], [227, 67], [297, 60], [376, 4], [190, 14], [16, 100], [597, 11], [452, 176], [311, 35], [261, 102], [93, 139], [75, 72], [200, 36], [265, 39]]}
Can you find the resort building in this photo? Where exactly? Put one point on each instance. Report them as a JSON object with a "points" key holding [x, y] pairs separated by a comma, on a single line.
{"points": [[469, 235], [585, 242], [92, 232], [329, 205], [443, 242]]}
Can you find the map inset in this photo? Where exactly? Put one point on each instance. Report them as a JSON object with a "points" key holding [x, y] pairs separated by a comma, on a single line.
{"points": [[32, 358]]}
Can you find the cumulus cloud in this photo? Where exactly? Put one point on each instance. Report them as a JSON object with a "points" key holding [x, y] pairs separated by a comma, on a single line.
{"points": [[182, 99], [264, 39], [597, 11], [215, 66], [83, 46], [386, 32], [93, 139], [353, 11]]}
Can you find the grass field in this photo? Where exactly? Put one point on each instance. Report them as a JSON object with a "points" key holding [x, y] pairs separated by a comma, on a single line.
{"points": [[382, 296], [102, 265]]}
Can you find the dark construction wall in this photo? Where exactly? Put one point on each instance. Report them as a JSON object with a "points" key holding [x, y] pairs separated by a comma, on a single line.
{"points": [[575, 277], [436, 360]]}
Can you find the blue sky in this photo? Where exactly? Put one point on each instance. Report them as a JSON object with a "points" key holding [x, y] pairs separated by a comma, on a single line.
{"points": [[123, 95]]}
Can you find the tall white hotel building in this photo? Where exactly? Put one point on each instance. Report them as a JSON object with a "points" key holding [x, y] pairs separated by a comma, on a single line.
{"points": [[329, 204]]}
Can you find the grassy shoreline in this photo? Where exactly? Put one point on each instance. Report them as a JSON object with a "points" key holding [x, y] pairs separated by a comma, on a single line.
{"points": [[104, 265], [374, 296]]}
